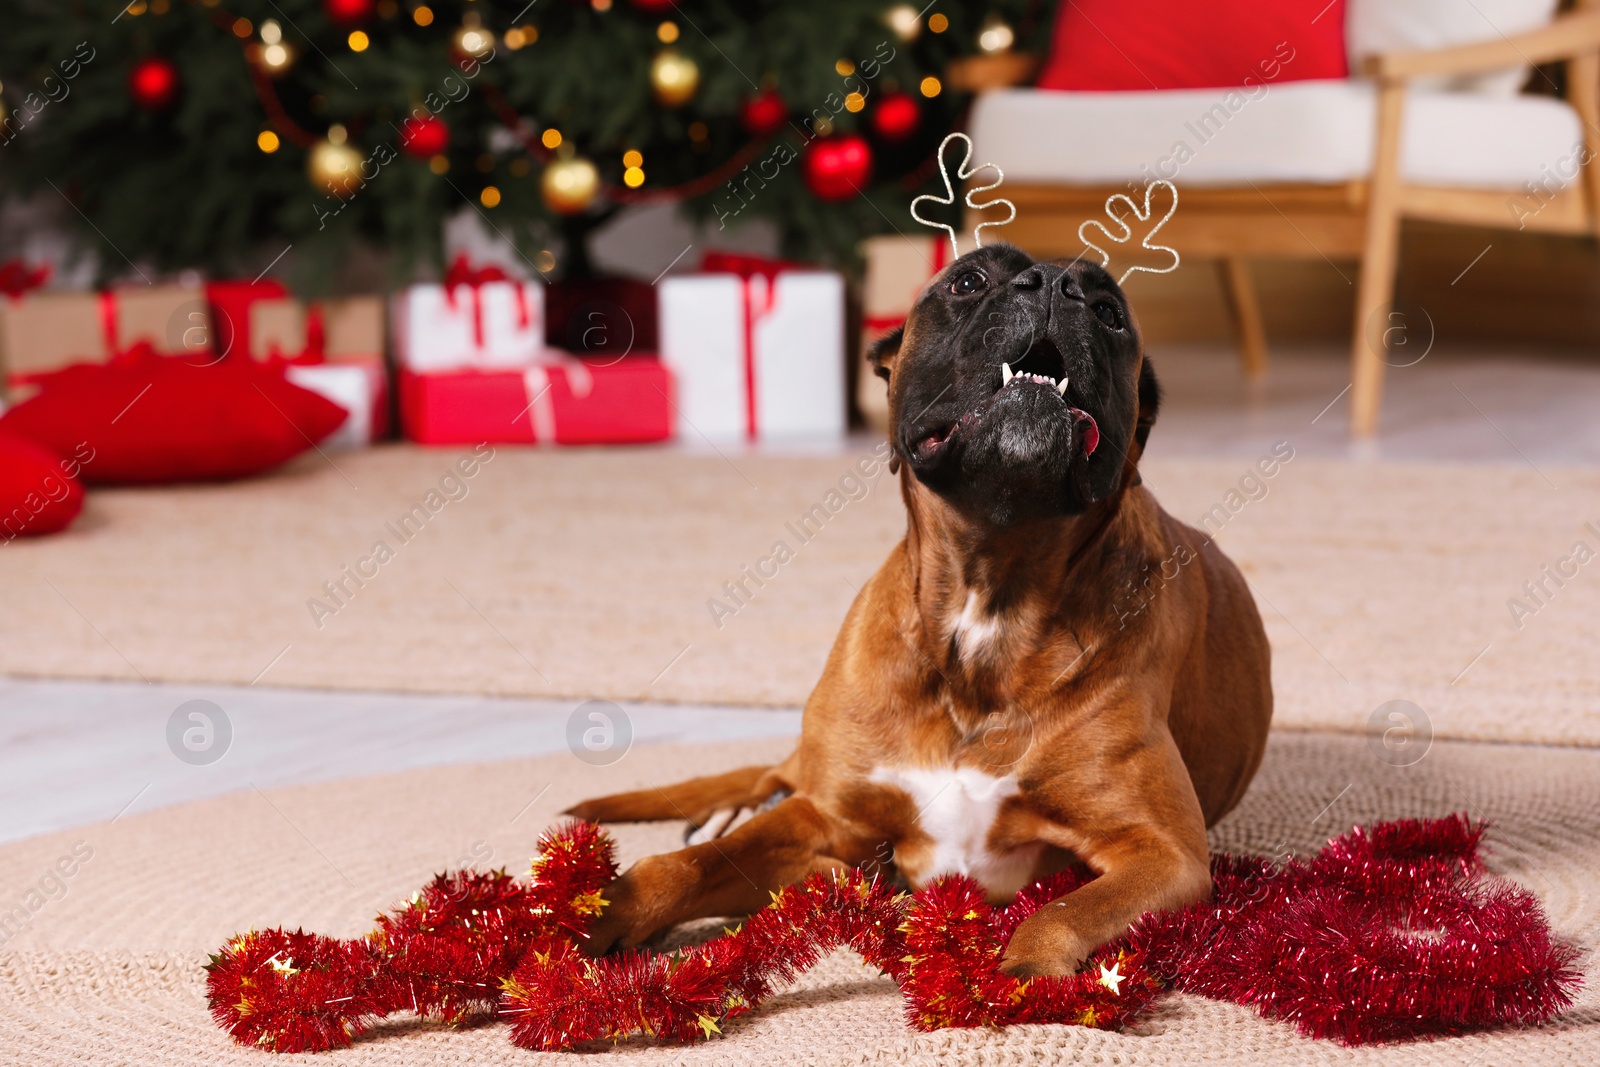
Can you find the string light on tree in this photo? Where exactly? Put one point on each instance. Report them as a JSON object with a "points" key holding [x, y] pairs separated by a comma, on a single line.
{"points": [[674, 77], [633, 168], [995, 36], [904, 21], [569, 186], [334, 165], [472, 39], [275, 54]]}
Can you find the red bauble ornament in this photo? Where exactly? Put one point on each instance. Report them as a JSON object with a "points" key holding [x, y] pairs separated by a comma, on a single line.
{"points": [[154, 83], [837, 168], [424, 137], [764, 113], [348, 11], [652, 7], [896, 117]]}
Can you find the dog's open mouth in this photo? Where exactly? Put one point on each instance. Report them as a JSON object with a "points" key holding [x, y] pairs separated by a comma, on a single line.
{"points": [[1041, 367]]}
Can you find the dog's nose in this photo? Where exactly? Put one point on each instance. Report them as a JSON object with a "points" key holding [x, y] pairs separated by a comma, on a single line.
{"points": [[1032, 278], [1070, 287]]}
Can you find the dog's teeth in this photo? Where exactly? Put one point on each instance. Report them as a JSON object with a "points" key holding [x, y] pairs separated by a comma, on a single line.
{"points": [[1005, 374], [1062, 386]]}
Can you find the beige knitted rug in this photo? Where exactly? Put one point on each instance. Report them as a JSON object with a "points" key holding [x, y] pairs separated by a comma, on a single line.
{"points": [[108, 968], [638, 574]]}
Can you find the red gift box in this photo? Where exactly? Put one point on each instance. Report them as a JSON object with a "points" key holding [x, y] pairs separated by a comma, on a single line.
{"points": [[561, 401]]}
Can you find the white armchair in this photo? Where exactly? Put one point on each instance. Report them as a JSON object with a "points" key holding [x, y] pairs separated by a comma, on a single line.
{"points": [[1323, 168]]}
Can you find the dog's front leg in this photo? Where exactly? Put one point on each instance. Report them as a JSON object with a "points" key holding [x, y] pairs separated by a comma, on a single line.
{"points": [[732, 875], [1144, 837]]}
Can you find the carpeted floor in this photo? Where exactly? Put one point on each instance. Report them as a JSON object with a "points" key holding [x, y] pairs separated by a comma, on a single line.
{"points": [[593, 574], [109, 968]]}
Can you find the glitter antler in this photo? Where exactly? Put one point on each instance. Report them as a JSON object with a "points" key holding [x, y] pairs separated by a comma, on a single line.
{"points": [[962, 173], [1120, 222]]}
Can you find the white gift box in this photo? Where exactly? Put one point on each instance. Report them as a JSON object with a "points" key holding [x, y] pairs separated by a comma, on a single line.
{"points": [[756, 357], [360, 388], [496, 324]]}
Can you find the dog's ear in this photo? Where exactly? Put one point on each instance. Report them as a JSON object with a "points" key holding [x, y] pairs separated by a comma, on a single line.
{"points": [[1149, 404], [881, 355]]}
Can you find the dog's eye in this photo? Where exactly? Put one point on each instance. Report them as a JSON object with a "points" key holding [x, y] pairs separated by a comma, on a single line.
{"points": [[1107, 312], [970, 282]]}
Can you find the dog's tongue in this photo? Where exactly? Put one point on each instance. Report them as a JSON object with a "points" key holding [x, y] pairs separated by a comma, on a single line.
{"points": [[1091, 430]]}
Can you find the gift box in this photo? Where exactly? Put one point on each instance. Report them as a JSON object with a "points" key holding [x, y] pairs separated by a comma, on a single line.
{"points": [[231, 305], [757, 348], [42, 332], [556, 400], [897, 270], [591, 316], [333, 348], [473, 319]]}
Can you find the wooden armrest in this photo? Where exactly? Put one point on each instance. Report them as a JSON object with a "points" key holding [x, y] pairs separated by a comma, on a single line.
{"points": [[979, 74], [1566, 37]]}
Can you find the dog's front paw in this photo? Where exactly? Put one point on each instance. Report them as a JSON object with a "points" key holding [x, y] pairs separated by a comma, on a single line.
{"points": [[641, 903], [1044, 945]]}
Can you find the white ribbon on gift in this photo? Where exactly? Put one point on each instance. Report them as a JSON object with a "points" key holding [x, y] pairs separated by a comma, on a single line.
{"points": [[537, 381]]}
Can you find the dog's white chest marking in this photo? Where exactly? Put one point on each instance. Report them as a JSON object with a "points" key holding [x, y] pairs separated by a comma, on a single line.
{"points": [[957, 808], [973, 630]]}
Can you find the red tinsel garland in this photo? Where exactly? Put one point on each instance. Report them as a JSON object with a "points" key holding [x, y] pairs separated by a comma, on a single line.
{"points": [[1389, 933]]}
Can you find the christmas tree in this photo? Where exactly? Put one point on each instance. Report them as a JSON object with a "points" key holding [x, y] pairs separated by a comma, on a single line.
{"points": [[214, 134]]}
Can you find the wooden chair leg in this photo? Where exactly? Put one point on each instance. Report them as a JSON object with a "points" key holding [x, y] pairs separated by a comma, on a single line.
{"points": [[1375, 288], [1248, 330]]}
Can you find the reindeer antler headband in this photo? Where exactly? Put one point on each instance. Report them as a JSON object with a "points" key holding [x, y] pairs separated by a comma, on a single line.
{"points": [[1125, 230], [1118, 217], [962, 173]]}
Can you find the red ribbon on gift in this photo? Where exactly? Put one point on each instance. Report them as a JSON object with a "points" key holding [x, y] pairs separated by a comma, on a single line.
{"points": [[17, 279], [461, 272], [316, 347], [756, 308]]}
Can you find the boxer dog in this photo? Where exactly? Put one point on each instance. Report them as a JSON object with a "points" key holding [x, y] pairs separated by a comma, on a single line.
{"points": [[1049, 670]]}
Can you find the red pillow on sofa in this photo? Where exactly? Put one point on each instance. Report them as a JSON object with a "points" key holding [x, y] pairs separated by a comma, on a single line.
{"points": [[150, 419], [1182, 44], [38, 492]]}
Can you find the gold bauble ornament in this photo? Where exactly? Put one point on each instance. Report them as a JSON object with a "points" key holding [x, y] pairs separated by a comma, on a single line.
{"points": [[569, 185], [674, 77], [334, 166]]}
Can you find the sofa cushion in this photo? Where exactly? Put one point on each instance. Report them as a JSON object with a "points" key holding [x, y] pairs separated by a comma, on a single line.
{"points": [[1180, 44], [1408, 25], [1298, 132]]}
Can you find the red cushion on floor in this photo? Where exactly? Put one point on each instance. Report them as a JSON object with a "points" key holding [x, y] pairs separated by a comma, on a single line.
{"points": [[1181, 44], [153, 419], [38, 491]]}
